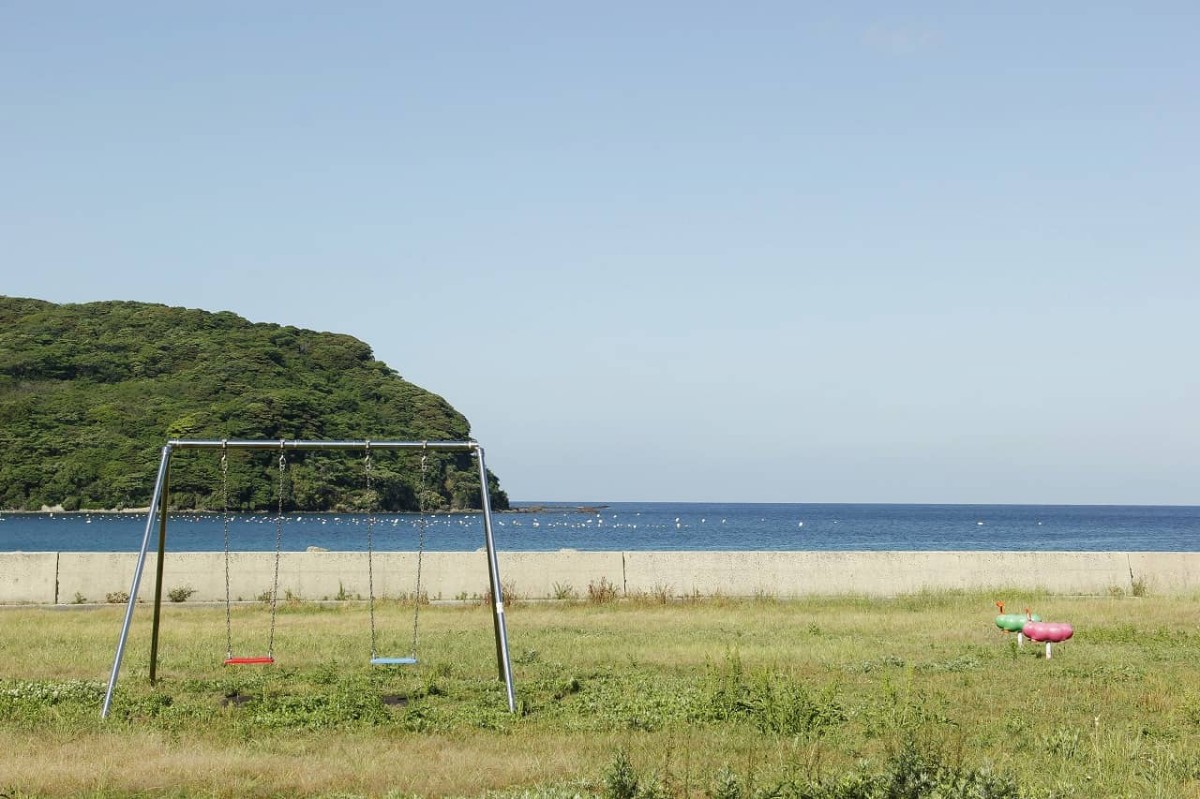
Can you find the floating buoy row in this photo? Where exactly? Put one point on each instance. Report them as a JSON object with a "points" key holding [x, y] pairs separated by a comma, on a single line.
{"points": [[1030, 625]]}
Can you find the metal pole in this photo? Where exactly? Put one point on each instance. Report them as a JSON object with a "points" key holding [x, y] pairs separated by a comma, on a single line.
{"points": [[137, 580], [502, 659], [158, 577]]}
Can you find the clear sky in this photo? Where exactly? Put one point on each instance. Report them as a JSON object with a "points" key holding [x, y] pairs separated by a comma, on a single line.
{"points": [[763, 251]]}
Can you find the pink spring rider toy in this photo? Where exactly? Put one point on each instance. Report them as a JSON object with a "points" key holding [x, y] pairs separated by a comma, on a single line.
{"points": [[1048, 632]]}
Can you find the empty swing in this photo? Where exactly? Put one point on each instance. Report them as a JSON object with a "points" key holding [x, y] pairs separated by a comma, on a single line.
{"points": [[376, 658], [230, 659]]}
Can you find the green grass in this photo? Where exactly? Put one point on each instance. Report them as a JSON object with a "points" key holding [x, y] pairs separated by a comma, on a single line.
{"points": [[847, 697]]}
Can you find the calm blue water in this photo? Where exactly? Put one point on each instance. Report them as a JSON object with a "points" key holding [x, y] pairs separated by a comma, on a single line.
{"points": [[650, 526]]}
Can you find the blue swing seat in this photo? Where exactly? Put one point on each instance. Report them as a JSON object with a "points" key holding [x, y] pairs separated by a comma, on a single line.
{"points": [[378, 661]]}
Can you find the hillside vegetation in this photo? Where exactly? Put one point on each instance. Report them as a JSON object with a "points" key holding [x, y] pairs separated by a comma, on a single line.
{"points": [[89, 393]]}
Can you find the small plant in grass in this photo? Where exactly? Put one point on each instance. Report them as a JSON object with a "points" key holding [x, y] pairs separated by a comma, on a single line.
{"points": [[621, 779], [602, 592], [528, 656], [181, 593], [660, 594], [762, 595], [342, 596], [79, 599], [771, 700], [508, 591], [116, 597], [565, 592], [569, 686], [728, 786], [1138, 588]]}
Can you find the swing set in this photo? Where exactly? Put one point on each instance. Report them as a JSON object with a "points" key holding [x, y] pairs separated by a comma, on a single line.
{"points": [[159, 511]]}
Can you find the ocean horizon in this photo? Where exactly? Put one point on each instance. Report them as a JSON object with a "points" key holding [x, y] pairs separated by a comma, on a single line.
{"points": [[645, 526]]}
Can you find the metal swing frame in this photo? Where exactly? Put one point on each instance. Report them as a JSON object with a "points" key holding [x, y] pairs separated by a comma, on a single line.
{"points": [[159, 512]]}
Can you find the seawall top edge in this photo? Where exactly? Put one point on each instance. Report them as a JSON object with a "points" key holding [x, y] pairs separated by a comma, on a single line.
{"points": [[295, 444]]}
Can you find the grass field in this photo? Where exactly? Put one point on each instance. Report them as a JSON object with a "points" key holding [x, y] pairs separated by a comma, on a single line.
{"points": [[848, 697]]}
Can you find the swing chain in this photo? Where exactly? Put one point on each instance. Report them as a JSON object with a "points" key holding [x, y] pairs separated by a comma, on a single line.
{"points": [[225, 525], [370, 551], [420, 546], [278, 546]]}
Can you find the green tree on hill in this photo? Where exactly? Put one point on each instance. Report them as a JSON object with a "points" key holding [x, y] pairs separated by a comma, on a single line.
{"points": [[90, 392]]}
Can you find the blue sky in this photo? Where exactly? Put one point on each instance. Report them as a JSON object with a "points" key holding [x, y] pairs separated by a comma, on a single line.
{"points": [[662, 251]]}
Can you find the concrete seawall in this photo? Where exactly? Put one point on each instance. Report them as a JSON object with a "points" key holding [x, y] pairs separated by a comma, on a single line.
{"points": [[66, 577]]}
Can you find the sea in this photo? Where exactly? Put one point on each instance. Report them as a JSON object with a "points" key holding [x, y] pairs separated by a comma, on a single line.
{"points": [[632, 526]]}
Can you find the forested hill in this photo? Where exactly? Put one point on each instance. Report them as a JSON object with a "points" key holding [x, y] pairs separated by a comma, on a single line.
{"points": [[89, 394]]}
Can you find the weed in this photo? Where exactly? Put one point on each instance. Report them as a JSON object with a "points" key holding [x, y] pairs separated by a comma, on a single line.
{"points": [[1064, 742], [181, 593], [528, 656], [763, 596], [728, 785], [512, 597], [569, 686], [341, 596], [79, 599], [565, 592], [602, 592], [771, 700], [117, 597], [621, 779], [1138, 587]]}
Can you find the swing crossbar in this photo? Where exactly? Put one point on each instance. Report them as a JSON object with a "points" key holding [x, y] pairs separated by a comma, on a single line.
{"points": [[249, 661], [381, 661]]}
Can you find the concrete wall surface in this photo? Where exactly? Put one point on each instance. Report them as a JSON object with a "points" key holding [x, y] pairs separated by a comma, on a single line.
{"points": [[28, 577], [885, 573], [50, 577]]}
